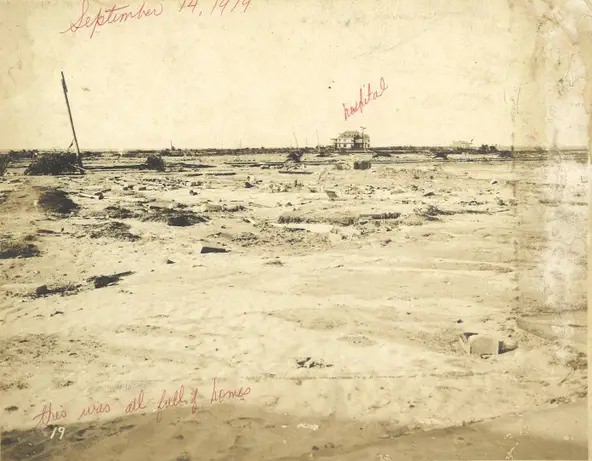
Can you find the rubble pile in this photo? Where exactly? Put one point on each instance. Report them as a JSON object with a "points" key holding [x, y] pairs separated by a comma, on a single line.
{"points": [[54, 163], [154, 162]]}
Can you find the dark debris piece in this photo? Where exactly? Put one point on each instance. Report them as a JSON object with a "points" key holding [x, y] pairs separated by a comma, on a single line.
{"points": [[101, 281]]}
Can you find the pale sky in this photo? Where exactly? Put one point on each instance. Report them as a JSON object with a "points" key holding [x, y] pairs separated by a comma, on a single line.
{"points": [[478, 70]]}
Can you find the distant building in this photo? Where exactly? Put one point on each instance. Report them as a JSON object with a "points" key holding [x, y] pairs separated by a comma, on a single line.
{"points": [[461, 145], [485, 148], [351, 140]]}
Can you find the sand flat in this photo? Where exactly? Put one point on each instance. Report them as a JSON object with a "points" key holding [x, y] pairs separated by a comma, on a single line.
{"points": [[348, 324]]}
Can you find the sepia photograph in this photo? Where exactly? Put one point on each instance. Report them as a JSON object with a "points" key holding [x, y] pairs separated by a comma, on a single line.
{"points": [[293, 230]]}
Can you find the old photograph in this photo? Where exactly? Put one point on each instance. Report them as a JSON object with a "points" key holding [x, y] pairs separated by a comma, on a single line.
{"points": [[276, 230]]}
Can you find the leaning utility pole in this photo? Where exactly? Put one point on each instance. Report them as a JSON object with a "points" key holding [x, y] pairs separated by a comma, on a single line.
{"points": [[79, 157]]}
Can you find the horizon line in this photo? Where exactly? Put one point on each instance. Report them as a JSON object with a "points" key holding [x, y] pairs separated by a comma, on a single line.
{"points": [[404, 146]]}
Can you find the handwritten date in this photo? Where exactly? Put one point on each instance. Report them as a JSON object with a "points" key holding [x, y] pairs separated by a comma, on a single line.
{"points": [[217, 6], [112, 15], [118, 14]]}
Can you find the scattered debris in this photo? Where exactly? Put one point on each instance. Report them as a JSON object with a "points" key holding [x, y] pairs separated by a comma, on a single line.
{"points": [[98, 195], [481, 345], [41, 290], [53, 163], [342, 219], [578, 362], [4, 162], [472, 202], [115, 230], [211, 207], [430, 212], [209, 249], [4, 196], [294, 172], [331, 194], [101, 281], [219, 207], [362, 164], [339, 219], [221, 173], [275, 262], [154, 162], [309, 363], [493, 181], [183, 220], [507, 346], [288, 218], [169, 261], [17, 249], [394, 215], [117, 212], [246, 239], [173, 217], [279, 187], [295, 156], [44, 290], [56, 201], [56, 313]]}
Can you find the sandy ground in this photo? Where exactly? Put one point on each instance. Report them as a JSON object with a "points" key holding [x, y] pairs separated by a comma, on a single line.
{"points": [[320, 314]]}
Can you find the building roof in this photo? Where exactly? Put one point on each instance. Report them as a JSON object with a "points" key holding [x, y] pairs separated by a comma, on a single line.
{"points": [[353, 134]]}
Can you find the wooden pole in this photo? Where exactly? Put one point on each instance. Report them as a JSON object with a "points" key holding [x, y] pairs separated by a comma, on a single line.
{"points": [[363, 139], [79, 157]]}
